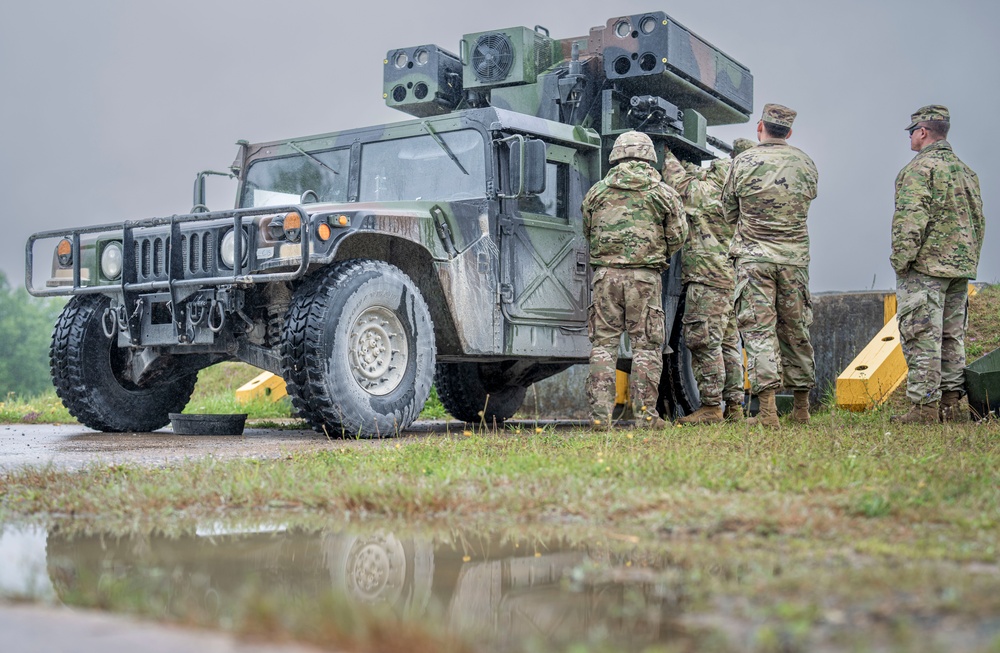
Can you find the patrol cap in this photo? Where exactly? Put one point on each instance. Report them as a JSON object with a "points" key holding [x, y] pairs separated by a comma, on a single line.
{"points": [[776, 114], [931, 112], [741, 145]]}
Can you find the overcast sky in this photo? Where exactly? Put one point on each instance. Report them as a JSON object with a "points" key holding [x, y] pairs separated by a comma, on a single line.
{"points": [[109, 108]]}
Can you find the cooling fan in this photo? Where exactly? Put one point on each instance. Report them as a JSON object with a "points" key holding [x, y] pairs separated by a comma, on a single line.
{"points": [[492, 57]]}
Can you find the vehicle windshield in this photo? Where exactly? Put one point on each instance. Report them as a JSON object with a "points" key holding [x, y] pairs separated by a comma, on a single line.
{"points": [[432, 166], [435, 166], [272, 182]]}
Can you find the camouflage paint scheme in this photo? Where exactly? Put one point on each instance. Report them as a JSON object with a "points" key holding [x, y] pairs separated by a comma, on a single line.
{"points": [[709, 321], [625, 300], [634, 224], [767, 196], [937, 237], [938, 226], [505, 274], [932, 314]]}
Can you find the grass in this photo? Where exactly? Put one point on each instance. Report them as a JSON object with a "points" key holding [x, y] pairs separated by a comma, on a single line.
{"points": [[983, 334], [834, 479]]}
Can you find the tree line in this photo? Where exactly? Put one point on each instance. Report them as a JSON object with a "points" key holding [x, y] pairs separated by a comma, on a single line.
{"points": [[26, 324]]}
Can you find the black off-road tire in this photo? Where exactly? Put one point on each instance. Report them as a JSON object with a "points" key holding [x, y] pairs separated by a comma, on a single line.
{"points": [[678, 388], [468, 397], [86, 370], [677, 384], [358, 350]]}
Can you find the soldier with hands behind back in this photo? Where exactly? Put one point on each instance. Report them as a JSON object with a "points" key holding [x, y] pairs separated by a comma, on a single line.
{"points": [[937, 236], [633, 223], [767, 196], [709, 323]]}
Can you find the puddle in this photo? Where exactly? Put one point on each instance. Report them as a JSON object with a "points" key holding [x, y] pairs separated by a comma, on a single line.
{"points": [[497, 592], [23, 568]]}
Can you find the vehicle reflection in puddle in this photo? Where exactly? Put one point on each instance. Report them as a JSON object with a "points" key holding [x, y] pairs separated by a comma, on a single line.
{"points": [[497, 591]]}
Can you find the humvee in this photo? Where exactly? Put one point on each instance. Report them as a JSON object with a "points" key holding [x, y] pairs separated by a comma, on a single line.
{"points": [[365, 265]]}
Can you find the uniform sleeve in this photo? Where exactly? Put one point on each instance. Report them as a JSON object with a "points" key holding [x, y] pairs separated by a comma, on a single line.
{"points": [[730, 202], [978, 218], [675, 224], [913, 204], [674, 173]]}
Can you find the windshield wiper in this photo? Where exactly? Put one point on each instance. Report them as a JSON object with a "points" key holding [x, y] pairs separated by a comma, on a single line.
{"points": [[444, 146], [298, 149]]}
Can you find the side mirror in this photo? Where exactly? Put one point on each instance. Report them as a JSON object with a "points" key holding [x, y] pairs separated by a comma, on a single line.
{"points": [[200, 205], [527, 166]]}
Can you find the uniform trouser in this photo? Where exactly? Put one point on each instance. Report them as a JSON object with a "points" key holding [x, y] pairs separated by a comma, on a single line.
{"points": [[933, 315], [625, 300], [774, 311], [711, 334]]}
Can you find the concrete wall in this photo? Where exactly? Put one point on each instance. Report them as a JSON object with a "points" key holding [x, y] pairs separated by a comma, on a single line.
{"points": [[843, 323]]}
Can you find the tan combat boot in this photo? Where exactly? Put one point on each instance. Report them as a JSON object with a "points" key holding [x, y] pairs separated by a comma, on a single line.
{"points": [[767, 415], [734, 411], [919, 414], [949, 411], [800, 407], [704, 415]]}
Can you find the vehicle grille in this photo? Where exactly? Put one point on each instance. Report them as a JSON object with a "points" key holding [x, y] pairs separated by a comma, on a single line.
{"points": [[152, 252]]}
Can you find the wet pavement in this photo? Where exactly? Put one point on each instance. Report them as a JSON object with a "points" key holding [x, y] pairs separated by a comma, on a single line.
{"points": [[71, 447], [34, 629]]}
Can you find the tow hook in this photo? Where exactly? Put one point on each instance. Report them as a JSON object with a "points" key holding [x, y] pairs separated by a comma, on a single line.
{"points": [[109, 322], [216, 317]]}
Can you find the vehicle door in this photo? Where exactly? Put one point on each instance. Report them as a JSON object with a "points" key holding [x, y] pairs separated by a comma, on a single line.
{"points": [[544, 271]]}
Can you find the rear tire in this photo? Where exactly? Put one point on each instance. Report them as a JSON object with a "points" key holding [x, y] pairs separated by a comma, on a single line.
{"points": [[358, 350], [87, 371], [468, 397], [678, 388]]}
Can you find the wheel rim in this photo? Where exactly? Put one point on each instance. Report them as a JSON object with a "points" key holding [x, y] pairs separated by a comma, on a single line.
{"points": [[376, 569], [378, 350]]}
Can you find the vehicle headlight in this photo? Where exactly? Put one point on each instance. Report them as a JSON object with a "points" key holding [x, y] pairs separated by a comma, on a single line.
{"points": [[111, 260], [227, 249]]}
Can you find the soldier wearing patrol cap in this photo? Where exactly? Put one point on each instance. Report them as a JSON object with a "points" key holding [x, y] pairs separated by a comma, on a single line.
{"points": [[633, 223], [767, 196], [937, 236], [709, 324]]}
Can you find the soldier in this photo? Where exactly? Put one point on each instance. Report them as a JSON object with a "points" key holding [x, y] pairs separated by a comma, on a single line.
{"points": [[709, 323], [767, 197], [937, 236], [633, 223]]}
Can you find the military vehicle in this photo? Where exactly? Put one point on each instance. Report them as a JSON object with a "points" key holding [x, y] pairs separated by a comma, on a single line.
{"points": [[365, 265]]}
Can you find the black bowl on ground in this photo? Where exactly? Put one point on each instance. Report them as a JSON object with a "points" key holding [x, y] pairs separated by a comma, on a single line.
{"points": [[208, 424]]}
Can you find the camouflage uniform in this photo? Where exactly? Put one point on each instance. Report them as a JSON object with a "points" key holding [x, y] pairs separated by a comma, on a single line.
{"points": [[633, 223], [937, 236], [767, 197], [709, 322]]}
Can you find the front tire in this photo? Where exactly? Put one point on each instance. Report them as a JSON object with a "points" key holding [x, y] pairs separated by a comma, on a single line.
{"points": [[358, 350], [87, 370]]}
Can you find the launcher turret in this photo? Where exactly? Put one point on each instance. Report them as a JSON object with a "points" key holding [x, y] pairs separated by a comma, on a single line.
{"points": [[643, 71]]}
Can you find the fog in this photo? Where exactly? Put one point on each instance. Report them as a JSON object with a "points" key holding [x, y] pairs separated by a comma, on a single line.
{"points": [[110, 107]]}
